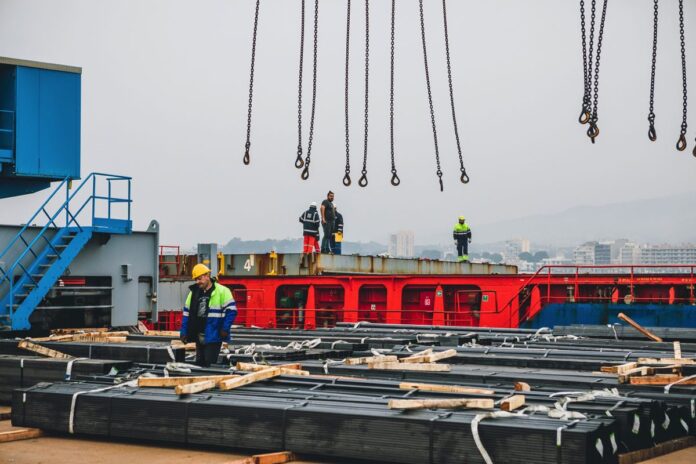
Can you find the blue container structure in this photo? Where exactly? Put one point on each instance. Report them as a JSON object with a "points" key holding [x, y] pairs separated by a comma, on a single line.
{"points": [[39, 125]]}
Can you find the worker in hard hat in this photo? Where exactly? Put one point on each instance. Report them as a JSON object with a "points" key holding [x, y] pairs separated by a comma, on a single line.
{"points": [[310, 229], [462, 238], [209, 313], [337, 237]]}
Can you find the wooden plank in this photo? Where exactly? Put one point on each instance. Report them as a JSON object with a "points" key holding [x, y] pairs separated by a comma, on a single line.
{"points": [[677, 350], [441, 355], [431, 387], [512, 403], [98, 339], [661, 379], [53, 338], [196, 387], [251, 367], [5, 413], [19, 434], [250, 378], [660, 449], [639, 327], [175, 381], [281, 457], [468, 403], [369, 359], [522, 386], [666, 361], [186, 346], [42, 350], [286, 371], [163, 333], [425, 367], [417, 357], [78, 330]]}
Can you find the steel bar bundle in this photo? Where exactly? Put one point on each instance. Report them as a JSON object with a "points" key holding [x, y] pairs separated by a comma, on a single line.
{"points": [[143, 352]]}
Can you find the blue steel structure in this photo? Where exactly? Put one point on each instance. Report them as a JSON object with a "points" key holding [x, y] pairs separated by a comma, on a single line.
{"points": [[39, 125], [29, 276]]}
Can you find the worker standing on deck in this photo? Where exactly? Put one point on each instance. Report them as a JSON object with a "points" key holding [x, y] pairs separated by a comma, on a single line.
{"points": [[310, 229], [209, 313], [337, 237], [328, 216], [462, 238]]}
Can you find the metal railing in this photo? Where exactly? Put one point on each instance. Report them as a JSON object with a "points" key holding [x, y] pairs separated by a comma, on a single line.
{"points": [[71, 220], [629, 271]]}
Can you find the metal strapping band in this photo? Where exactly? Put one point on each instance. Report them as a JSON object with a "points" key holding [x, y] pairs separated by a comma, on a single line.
{"points": [[73, 403]]}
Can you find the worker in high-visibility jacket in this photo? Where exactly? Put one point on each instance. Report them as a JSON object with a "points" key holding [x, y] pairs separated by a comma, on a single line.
{"points": [[337, 238], [462, 238], [209, 312]]}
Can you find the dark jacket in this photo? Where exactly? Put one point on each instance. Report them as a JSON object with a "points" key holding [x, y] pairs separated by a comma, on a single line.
{"points": [[339, 222], [310, 222]]}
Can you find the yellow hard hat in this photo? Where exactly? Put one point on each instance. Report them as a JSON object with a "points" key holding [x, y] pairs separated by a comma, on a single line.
{"points": [[199, 270], [461, 218]]}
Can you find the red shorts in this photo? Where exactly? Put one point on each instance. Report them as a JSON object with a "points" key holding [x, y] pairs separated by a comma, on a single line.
{"points": [[310, 245]]}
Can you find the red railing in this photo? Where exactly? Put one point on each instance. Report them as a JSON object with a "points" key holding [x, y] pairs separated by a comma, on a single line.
{"points": [[629, 271], [166, 251]]}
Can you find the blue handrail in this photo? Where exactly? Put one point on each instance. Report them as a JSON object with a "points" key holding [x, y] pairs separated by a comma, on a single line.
{"points": [[70, 218]]}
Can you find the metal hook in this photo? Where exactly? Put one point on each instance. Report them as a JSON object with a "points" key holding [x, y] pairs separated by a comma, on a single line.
{"points": [[442, 187], [395, 181], [593, 131], [652, 134], [299, 163], [584, 117], [464, 177], [246, 158], [363, 180], [305, 172], [694, 152], [346, 180], [681, 143]]}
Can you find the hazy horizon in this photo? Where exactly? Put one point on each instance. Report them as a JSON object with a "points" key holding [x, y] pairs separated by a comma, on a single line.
{"points": [[165, 89]]}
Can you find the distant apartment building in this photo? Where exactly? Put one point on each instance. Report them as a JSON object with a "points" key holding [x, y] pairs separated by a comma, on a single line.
{"points": [[629, 254], [513, 248], [668, 254], [401, 244], [593, 253]]}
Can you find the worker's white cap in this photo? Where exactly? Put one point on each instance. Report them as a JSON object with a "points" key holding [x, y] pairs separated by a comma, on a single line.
{"points": [[314, 203]]}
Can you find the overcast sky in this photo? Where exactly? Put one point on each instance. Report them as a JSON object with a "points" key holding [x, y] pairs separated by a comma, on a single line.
{"points": [[164, 91]]}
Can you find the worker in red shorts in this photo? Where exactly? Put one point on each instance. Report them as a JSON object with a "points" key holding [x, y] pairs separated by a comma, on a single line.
{"points": [[310, 229]]}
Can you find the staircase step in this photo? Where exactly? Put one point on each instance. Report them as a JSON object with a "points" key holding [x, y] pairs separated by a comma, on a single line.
{"points": [[21, 295], [60, 246], [16, 305], [29, 285], [52, 256], [37, 276]]}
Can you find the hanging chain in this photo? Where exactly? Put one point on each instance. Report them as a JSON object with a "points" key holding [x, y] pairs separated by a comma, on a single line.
{"points": [[584, 117], [593, 130], [464, 177], [305, 171], [298, 161], [652, 134], [430, 95], [363, 179], [681, 143], [395, 178], [247, 145], [346, 178]]}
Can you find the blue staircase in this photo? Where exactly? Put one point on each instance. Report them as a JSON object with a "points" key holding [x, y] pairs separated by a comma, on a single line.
{"points": [[36, 262]]}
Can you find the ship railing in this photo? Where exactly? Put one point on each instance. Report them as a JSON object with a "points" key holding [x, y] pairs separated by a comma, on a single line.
{"points": [[542, 278]]}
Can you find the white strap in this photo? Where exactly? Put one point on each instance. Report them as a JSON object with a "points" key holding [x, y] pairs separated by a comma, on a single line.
{"points": [[475, 432], [73, 403], [684, 379], [171, 353], [68, 367]]}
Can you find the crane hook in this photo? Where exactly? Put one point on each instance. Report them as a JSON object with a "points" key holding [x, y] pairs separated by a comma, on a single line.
{"points": [[363, 179], [593, 131], [652, 134], [464, 177], [299, 162], [584, 117], [305, 172], [346, 180], [395, 181], [246, 158], [681, 143]]}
